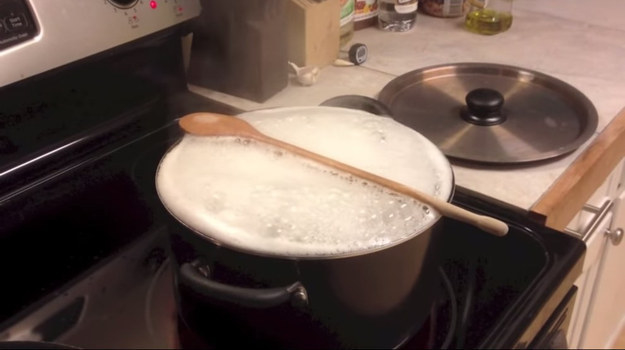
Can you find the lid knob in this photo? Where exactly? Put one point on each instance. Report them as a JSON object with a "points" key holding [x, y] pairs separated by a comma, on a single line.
{"points": [[484, 107]]}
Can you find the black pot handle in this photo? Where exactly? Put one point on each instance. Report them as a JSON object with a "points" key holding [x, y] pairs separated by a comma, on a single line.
{"points": [[359, 102], [258, 298]]}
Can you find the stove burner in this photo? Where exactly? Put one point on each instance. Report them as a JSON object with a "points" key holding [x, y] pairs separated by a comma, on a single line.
{"points": [[438, 330], [470, 310]]}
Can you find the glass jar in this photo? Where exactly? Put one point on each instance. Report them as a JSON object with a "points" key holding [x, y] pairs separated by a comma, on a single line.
{"points": [[397, 15], [489, 17], [366, 13], [444, 8], [348, 9]]}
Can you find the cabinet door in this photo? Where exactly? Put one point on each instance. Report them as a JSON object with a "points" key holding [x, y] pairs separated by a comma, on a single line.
{"points": [[584, 330], [607, 310], [595, 249]]}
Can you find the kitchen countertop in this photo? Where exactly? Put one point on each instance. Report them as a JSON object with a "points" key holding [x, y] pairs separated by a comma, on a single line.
{"points": [[572, 40]]}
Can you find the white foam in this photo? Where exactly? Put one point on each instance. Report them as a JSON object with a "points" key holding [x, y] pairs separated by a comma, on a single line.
{"points": [[251, 196]]}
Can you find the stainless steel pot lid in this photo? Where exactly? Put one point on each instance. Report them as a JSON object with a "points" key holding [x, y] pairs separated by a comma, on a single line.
{"points": [[492, 113]]}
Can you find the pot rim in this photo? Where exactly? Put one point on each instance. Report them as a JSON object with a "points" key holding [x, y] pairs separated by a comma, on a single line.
{"points": [[295, 257]]}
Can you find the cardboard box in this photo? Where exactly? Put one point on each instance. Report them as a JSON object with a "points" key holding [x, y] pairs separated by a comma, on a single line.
{"points": [[313, 32], [239, 47]]}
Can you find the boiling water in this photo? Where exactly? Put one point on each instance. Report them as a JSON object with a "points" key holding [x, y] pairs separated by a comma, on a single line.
{"points": [[256, 197]]}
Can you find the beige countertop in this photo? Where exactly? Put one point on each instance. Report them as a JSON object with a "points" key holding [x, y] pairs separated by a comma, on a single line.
{"points": [[579, 42]]}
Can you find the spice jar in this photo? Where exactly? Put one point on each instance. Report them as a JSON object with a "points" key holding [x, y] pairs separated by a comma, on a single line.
{"points": [[366, 13], [444, 8]]}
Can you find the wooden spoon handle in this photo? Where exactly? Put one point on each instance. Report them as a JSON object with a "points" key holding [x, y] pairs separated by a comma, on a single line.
{"points": [[210, 124], [486, 223]]}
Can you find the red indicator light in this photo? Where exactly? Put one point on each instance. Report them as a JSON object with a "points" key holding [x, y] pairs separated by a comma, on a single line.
{"points": [[153, 4]]}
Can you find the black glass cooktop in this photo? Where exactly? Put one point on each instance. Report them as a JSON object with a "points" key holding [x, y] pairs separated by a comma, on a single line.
{"points": [[502, 284], [495, 292]]}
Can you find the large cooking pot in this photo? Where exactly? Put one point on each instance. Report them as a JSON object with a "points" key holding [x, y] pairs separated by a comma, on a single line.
{"points": [[323, 292]]}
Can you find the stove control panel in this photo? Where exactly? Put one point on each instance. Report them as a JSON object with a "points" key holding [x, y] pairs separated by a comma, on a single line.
{"points": [[123, 3], [64, 31], [16, 23]]}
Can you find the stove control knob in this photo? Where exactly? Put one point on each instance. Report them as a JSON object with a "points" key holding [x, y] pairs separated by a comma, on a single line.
{"points": [[123, 4]]}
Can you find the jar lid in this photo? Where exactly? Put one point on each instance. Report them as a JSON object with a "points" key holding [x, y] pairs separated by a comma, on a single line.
{"points": [[492, 113]]}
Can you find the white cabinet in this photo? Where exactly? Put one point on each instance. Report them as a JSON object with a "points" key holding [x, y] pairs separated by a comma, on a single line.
{"points": [[607, 311], [599, 312], [595, 250]]}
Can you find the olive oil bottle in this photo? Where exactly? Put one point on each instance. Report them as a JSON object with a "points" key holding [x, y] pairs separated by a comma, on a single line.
{"points": [[489, 17]]}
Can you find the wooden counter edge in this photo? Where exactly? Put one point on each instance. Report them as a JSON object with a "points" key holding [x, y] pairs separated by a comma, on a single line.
{"points": [[566, 197]]}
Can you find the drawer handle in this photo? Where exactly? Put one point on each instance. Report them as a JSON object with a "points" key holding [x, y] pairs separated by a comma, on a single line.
{"points": [[615, 236], [600, 213]]}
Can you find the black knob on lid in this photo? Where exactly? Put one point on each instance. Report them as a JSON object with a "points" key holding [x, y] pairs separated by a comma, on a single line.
{"points": [[484, 107]]}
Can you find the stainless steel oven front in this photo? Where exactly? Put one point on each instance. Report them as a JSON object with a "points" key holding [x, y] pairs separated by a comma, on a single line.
{"points": [[89, 91]]}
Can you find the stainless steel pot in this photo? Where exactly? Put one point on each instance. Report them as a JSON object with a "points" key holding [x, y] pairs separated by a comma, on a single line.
{"points": [[374, 299], [371, 298]]}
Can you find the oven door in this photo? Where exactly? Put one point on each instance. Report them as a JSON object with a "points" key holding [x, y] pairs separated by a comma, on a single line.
{"points": [[79, 146]]}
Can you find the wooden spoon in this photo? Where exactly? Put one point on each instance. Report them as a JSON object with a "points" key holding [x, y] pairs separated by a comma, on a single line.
{"points": [[211, 124]]}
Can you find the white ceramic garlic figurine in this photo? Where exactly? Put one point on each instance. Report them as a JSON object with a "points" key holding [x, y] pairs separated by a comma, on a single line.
{"points": [[307, 75]]}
